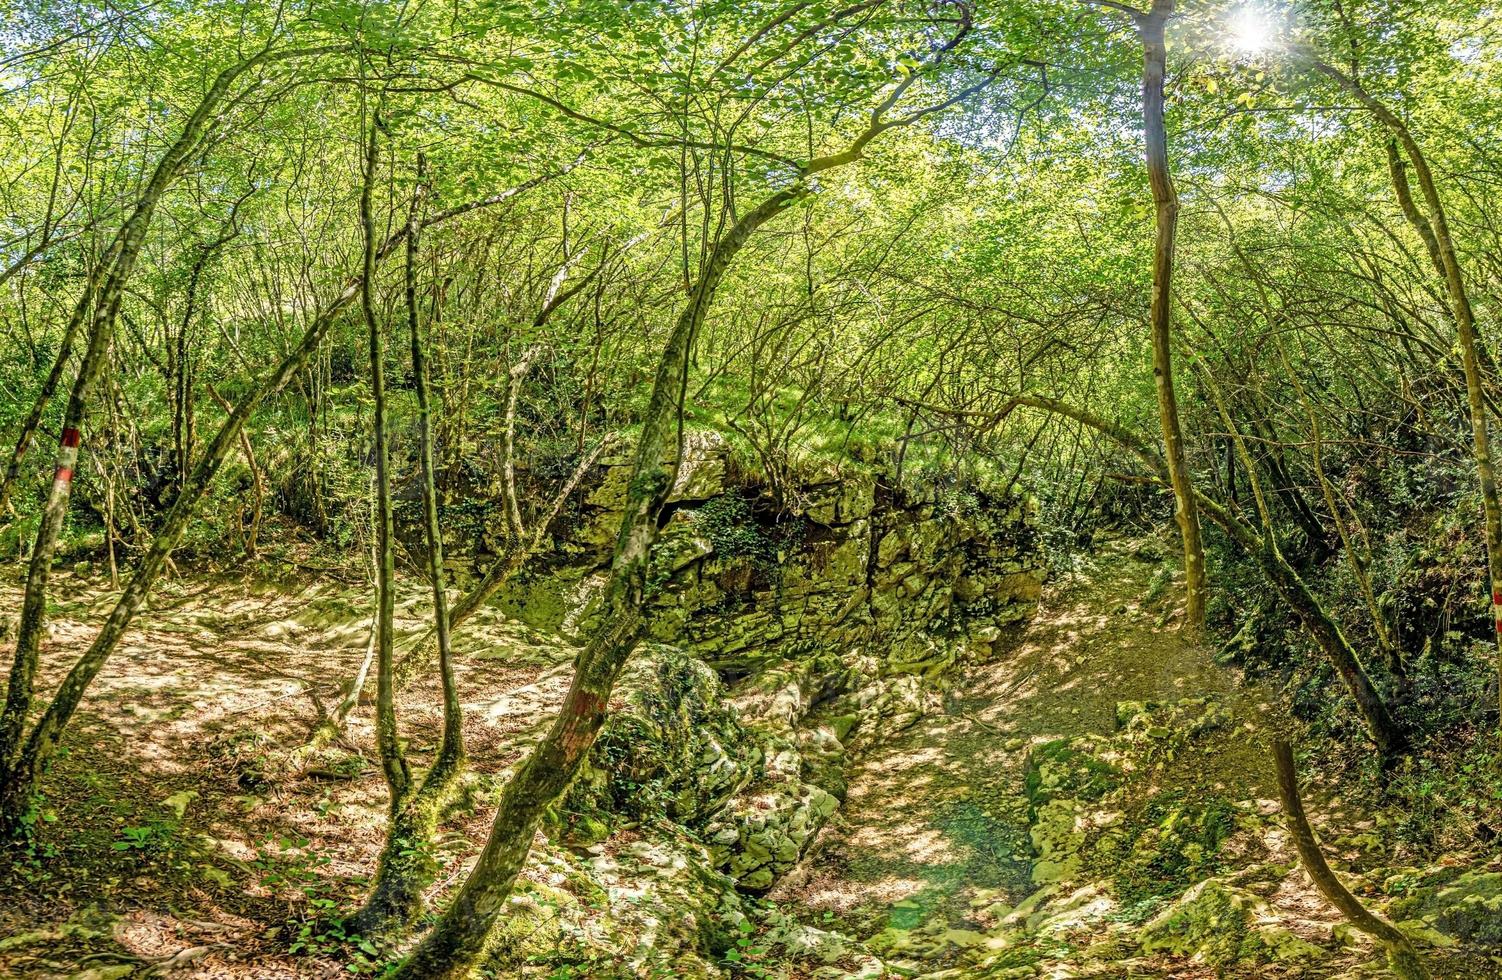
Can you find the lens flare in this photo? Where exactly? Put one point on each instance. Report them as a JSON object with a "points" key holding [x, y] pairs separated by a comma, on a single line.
{"points": [[1250, 29]]}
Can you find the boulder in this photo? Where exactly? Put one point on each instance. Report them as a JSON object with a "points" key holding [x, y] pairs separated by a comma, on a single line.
{"points": [[762, 836], [1220, 925], [674, 746], [1467, 908]]}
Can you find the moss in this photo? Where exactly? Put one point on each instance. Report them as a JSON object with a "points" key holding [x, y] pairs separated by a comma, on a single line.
{"points": [[677, 750], [1176, 841], [1064, 768]]}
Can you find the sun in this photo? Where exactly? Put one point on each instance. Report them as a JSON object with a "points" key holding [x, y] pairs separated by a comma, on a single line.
{"points": [[1250, 29]]}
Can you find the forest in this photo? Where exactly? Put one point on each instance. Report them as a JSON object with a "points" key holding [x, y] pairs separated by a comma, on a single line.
{"points": [[769, 489]]}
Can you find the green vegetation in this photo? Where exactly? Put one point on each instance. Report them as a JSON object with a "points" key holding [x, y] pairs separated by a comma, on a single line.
{"points": [[378, 380]]}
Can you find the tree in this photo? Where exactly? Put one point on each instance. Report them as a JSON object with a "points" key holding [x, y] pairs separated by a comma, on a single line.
{"points": [[1151, 25]]}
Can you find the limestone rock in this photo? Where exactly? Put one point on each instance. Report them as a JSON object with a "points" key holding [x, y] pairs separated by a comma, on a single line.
{"points": [[1221, 925], [675, 746], [771, 826], [1468, 908], [848, 499]]}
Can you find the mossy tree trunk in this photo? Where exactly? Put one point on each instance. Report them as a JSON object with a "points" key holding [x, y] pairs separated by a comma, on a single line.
{"points": [[1151, 27], [1401, 956], [458, 940], [406, 865]]}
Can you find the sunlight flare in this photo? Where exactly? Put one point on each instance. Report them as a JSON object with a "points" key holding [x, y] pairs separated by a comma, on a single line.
{"points": [[1251, 30]]}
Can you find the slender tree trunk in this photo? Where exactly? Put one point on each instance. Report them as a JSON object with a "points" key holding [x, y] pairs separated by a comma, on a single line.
{"points": [[1465, 327], [20, 780], [49, 386], [406, 865], [1166, 201], [1401, 955], [393, 761], [456, 942]]}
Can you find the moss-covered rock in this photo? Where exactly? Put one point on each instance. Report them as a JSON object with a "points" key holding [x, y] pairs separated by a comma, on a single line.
{"points": [[763, 834], [673, 747], [1221, 925], [1468, 908]]}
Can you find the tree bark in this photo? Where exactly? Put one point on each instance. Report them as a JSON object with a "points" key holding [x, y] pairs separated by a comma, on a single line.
{"points": [[1401, 955], [1151, 27]]}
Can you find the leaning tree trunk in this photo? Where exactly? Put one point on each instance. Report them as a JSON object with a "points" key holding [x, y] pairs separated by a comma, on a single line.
{"points": [[1166, 203], [1442, 246], [1401, 956]]}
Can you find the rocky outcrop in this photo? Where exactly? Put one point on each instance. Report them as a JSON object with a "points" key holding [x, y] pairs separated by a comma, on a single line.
{"points": [[782, 640], [1450, 906], [674, 746], [916, 577], [1220, 925]]}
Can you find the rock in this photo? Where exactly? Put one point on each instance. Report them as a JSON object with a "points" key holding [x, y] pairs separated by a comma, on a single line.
{"points": [[675, 747], [844, 501], [178, 802], [1468, 908], [1221, 925], [111, 972], [764, 834], [1058, 837], [651, 904]]}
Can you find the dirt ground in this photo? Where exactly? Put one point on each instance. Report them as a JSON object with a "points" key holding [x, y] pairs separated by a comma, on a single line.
{"points": [[179, 837]]}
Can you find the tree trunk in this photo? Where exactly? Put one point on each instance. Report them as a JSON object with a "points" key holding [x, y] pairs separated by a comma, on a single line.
{"points": [[1166, 202], [393, 762], [49, 386], [458, 939], [406, 865], [1465, 327], [1401, 955]]}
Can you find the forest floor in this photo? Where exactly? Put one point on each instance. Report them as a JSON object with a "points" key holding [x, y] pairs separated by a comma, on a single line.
{"points": [[177, 838], [933, 839], [937, 815], [178, 826]]}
